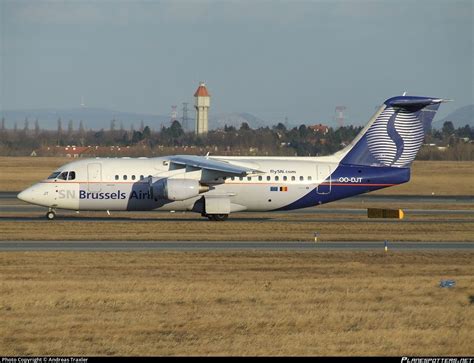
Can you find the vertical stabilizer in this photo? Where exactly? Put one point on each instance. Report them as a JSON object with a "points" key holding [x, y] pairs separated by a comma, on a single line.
{"points": [[394, 134]]}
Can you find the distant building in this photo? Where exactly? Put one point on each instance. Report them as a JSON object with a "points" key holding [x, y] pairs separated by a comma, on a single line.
{"points": [[319, 129], [89, 151], [67, 151], [75, 151], [202, 104]]}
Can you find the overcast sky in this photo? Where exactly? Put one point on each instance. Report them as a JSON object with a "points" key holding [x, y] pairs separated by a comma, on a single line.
{"points": [[271, 58]]}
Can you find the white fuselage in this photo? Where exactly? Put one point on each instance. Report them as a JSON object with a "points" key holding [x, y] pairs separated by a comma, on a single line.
{"points": [[123, 183]]}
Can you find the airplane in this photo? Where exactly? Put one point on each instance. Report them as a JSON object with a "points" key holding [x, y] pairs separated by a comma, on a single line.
{"points": [[215, 186]]}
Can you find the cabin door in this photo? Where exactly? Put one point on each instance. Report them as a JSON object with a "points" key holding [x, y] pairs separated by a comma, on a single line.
{"points": [[323, 172], [94, 177]]}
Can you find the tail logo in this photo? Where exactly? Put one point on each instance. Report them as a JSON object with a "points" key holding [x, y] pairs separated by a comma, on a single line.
{"points": [[395, 137]]}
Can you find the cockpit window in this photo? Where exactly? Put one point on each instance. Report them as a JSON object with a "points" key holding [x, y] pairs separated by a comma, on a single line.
{"points": [[54, 175], [63, 175]]}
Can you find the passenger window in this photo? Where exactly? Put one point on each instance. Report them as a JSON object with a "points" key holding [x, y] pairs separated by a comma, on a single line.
{"points": [[133, 177], [309, 177], [260, 178], [124, 177], [277, 178], [232, 178], [116, 177], [249, 178], [141, 177], [63, 175], [301, 178], [293, 178], [241, 178], [285, 178], [268, 177], [72, 175]]}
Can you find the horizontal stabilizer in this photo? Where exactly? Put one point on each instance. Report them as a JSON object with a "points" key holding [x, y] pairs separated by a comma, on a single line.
{"points": [[413, 102]]}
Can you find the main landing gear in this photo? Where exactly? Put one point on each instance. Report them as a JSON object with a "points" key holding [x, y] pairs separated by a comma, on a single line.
{"points": [[217, 217], [51, 214]]}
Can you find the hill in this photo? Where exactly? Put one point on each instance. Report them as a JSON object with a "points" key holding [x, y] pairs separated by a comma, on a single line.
{"points": [[235, 119], [461, 117]]}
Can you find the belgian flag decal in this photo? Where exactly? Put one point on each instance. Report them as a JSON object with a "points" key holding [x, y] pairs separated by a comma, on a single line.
{"points": [[276, 189]]}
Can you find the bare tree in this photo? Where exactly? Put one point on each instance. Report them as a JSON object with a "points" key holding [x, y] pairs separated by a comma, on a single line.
{"points": [[82, 131], [70, 128], [60, 126], [37, 127], [60, 131]]}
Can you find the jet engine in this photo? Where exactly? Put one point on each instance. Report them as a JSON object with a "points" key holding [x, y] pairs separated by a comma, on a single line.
{"points": [[177, 189]]}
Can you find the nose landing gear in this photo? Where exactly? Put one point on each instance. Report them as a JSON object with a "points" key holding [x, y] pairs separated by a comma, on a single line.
{"points": [[51, 214]]}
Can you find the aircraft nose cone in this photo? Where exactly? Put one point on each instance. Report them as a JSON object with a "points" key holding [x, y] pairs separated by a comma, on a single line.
{"points": [[26, 195]]}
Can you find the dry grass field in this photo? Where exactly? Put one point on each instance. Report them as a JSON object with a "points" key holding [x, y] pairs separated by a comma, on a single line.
{"points": [[245, 303], [439, 177], [241, 227], [18, 173]]}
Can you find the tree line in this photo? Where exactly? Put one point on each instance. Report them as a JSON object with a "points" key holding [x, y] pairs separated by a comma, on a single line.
{"points": [[276, 140]]}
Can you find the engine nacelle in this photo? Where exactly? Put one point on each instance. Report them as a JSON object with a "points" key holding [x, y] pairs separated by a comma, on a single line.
{"points": [[177, 189]]}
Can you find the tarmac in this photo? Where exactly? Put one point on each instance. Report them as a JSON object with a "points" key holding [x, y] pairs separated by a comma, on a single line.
{"points": [[9, 205], [229, 246], [362, 197]]}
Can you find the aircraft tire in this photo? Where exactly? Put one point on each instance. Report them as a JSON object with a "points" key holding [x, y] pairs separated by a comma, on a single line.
{"points": [[217, 217], [50, 215]]}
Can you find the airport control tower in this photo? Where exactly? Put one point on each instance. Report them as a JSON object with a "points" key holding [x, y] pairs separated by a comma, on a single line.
{"points": [[203, 101]]}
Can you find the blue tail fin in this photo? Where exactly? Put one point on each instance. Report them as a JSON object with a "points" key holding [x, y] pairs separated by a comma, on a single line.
{"points": [[394, 134]]}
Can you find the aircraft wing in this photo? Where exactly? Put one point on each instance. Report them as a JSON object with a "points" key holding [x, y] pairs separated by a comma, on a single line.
{"points": [[202, 162]]}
